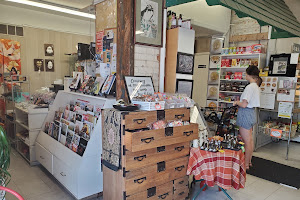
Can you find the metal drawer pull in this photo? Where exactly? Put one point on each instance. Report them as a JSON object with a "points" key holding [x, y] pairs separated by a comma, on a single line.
{"points": [[179, 168], [179, 148], [140, 180], [42, 157], [163, 196], [179, 116], [188, 133], [147, 140], [62, 174], [140, 158], [181, 193], [139, 121], [181, 182]]}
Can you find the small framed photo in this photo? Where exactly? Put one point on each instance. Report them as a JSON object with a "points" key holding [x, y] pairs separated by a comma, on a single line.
{"points": [[49, 49], [216, 45], [185, 63], [38, 64], [148, 22], [49, 65], [184, 86]]}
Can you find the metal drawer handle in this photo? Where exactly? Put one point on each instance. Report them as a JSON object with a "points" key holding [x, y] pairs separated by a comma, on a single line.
{"points": [[181, 182], [140, 158], [140, 180], [179, 116], [139, 121], [163, 196], [147, 140], [181, 193], [188, 133], [62, 174], [42, 157], [179, 168], [179, 148]]}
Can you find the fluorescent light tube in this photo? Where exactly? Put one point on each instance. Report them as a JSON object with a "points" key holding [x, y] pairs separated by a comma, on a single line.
{"points": [[54, 8]]}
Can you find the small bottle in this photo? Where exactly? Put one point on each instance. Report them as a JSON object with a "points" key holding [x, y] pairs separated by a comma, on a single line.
{"points": [[180, 20], [174, 21]]}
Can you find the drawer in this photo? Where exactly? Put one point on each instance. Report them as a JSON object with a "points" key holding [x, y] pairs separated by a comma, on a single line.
{"points": [[178, 114], [44, 157], [181, 183], [139, 120], [147, 177], [134, 160], [164, 191], [139, 141], [64, 174], [181, 194]]}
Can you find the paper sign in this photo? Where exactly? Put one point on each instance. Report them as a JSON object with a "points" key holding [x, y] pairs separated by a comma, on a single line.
{"points": [[276, 133], [269, 85], [285, 110], [104, 70], [286, 95], [139, 86], [267, 101], [99, 41], [294, 58]]}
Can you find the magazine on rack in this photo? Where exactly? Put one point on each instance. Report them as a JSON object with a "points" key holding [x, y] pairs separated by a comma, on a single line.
{"points": [[82, 146], [70, 135]]}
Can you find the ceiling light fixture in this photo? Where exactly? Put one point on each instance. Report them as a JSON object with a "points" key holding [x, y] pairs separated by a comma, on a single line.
{"points": [[54, 8]]}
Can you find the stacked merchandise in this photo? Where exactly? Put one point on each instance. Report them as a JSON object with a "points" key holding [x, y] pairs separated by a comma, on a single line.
{"points": [[236, 63], [73, 125], [256, 48], [278, 129]]}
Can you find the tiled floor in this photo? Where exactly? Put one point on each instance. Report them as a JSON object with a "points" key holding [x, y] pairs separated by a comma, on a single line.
{"points": [[277, 153], [34, 183]]}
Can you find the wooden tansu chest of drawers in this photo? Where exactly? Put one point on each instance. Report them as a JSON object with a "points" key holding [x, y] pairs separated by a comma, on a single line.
{"points": [[154, 162]]}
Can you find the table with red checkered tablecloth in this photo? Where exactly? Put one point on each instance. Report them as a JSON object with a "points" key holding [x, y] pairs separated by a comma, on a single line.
{"points": [[226, 169]]}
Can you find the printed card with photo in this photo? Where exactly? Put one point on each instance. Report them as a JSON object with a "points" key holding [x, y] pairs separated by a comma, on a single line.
{"points": [[78, 127], [75, 142], [70, 135], [82, 146]]}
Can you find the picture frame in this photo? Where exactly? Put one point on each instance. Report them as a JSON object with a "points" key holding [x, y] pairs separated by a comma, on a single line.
{"points": [[49, 65], [38, 64], [216, 45], [185, 86], [185, 63], [148, 26], [147, 87], [49, 49]]}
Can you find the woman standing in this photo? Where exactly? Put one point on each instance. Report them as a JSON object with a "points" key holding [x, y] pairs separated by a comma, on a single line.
{"points": [[246, 117]]}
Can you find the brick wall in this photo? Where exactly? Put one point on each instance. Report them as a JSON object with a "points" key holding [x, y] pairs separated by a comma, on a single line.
{"points": [[146, 63]]}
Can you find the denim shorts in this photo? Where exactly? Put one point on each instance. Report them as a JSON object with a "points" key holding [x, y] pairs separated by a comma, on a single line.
{"points": [[246, 118]]}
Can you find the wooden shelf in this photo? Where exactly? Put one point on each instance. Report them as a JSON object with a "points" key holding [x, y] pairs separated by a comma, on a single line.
{"points": [[21, 124]]}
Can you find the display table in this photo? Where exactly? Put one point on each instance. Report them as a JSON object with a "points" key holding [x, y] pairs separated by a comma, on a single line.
{"points": [[226, 170]]}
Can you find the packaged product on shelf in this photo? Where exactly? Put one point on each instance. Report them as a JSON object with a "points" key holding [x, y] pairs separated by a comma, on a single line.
{"points": [[70, 135], [248, 50], [257, 48], [225, 51], [75, 142], [233, 63]]}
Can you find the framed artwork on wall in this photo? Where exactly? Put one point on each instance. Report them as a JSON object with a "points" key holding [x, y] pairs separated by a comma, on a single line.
{"points": [[49, 49], [185, 63], [38, 64], [49, 65], [148, 22], [184, 86]]}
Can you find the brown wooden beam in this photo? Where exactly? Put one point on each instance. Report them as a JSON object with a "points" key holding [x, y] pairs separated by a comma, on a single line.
{"points": [[125, 45], [249, 37]]}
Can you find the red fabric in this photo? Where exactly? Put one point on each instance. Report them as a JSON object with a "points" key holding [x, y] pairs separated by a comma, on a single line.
{"points": [[226, 170]]}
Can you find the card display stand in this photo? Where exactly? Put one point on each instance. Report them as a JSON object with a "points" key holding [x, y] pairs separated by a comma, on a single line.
{"points": [[81, 175]]}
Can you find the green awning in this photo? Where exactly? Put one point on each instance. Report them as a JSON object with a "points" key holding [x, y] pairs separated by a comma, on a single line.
{"points": [[267, 12], [170, 3]]}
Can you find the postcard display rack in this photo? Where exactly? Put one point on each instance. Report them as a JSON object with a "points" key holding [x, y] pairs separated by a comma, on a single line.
{"points": [[153, 163], [226, 87], [80, 175]]}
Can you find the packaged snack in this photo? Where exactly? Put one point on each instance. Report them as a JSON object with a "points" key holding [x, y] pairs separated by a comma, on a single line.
{"points": [[256, 48], [157, 125], [175, 123], [227, 63]]}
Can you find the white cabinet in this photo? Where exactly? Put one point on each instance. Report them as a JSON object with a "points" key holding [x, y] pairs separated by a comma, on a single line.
{"points": [[81, 175]]}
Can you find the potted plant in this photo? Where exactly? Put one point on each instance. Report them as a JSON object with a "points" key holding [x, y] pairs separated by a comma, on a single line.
{"points": [[4, 161]]}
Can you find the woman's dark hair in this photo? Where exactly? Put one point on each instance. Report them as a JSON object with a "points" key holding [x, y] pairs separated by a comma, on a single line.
{"points": [[253, 71], [148, 8]]}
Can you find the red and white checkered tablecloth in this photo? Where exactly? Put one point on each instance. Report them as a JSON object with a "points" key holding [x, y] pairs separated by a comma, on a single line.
{"points": [[226, 170]]}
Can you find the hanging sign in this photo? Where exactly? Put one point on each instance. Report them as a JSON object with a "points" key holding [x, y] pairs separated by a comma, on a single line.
{"points": [[276, 133], [285, 110]]}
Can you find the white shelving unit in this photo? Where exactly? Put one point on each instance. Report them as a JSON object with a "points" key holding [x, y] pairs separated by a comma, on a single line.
{"points": [[261, 62], [81, 176], [28, 122]]}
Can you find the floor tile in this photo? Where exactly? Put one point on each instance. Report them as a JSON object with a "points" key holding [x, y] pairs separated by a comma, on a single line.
{"points": [[285, 193]]}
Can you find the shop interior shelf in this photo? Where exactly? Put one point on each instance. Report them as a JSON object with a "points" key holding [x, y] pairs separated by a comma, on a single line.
{"points": [[23, 138], [234, 67], [231, 102], [231, 92], [236, 80], [250, 55], [21, 124]]}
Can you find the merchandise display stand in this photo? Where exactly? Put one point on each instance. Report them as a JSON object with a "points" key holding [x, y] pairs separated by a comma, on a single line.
{"points": [[80, 175]]}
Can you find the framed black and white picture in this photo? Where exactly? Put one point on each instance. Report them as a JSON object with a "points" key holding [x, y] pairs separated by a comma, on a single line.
{"points": [[49, 65], [185, 63], [184, 86], [49, 49], [38, 64], [137, 86], [148, 22]]}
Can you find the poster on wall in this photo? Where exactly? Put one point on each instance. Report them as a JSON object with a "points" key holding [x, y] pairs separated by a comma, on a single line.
{"points": [[185, 63], [269, 85], [49, 65], [38, 65], [285, 110], [185, 87], [10, 55], [148, 22], [49, 49], [267, 100], [99, 41], [216, 45]]}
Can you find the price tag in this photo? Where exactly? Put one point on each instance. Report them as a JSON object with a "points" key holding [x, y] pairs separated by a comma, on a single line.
{"points": [[276, 133]]}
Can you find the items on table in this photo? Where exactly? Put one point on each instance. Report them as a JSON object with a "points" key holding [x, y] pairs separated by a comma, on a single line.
{"points": [[73, 124], [256, 48], [161, 124], [284, 128]]}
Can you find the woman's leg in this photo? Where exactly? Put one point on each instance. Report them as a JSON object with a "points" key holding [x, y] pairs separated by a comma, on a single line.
{"points": [[247, 138], [252, 145]]}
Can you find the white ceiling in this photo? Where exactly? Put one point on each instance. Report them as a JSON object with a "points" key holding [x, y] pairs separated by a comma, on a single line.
{"points": [[78, 4]]}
